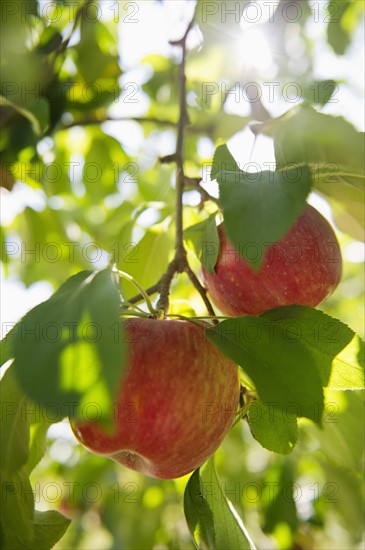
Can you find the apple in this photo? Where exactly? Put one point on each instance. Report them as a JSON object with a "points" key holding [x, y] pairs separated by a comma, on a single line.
{"points": [[302, 268], [176, 401]]}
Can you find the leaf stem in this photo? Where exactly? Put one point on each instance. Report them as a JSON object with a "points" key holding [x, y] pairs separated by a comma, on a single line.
{"points": [[144, 294], [131, 313]]}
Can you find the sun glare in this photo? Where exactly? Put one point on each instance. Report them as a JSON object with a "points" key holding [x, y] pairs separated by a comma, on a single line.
{"points": [[254, 50]]}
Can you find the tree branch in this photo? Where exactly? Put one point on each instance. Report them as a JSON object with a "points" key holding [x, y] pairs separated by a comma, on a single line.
{"points": [[142, 119], [203, 293], [179, 263]]}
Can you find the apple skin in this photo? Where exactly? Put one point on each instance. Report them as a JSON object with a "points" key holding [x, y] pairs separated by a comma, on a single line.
{"points": [[175, 403], [303, 268]]}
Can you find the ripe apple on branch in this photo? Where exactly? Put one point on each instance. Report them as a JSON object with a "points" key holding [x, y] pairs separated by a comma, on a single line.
{"points": [[175, 403], [303, 268]]}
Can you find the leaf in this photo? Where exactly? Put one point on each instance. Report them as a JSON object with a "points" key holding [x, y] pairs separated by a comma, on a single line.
{"points": [[41, 336], [38, 441], [37, 113], [320, 91], [103, 303], [49, 527], [258, 208], [348, 222], [275, 430], [14, 434], [211, 518], [344, 494], [95, 63], [6, 350], [203, 239], [49, 40], [279, 498], [146, 260], [198, 514], [343, 422], [282, 369], [17, 504], [336, 351], [344, 16], [221, 125], [100, 177], [333, 150], [70, 347]]}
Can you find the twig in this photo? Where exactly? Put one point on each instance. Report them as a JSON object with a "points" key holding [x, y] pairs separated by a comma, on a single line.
{"points": [[142, 119], [179, 263], [194, 279]]}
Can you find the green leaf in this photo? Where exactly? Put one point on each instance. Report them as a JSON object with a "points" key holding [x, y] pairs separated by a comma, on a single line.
{"points": [[221, 125], [37, 113], [100, 178], [203, 239], [275, 430], [43, 333], [49, 527], [337, 37], [333, 150], [198, 514], [279, 498], [212, 520], [281, 368], [17, 504], [146, 260], [258, 208], [344, 16], [70, 347], [100, 361], [14, 436], [303, 135], [7, 345], [336, 351], [343, 422], [38, 441], [49, 40], [96, 62], [320, 91]]}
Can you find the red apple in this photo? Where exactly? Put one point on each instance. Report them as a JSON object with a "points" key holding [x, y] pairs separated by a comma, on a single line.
{"points": [[303, 268], [175, 403]]}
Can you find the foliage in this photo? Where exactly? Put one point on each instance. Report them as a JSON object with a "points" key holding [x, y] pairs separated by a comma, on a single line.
{"points": [[83, 133]]}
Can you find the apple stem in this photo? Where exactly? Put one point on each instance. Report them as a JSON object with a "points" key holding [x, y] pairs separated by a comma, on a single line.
{"points": [[247, 396], [194, 320], [201, 317], [128, 306]]}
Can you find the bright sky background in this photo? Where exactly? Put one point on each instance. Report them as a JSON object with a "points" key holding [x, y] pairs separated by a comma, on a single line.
{"points": [[156, 25]]}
